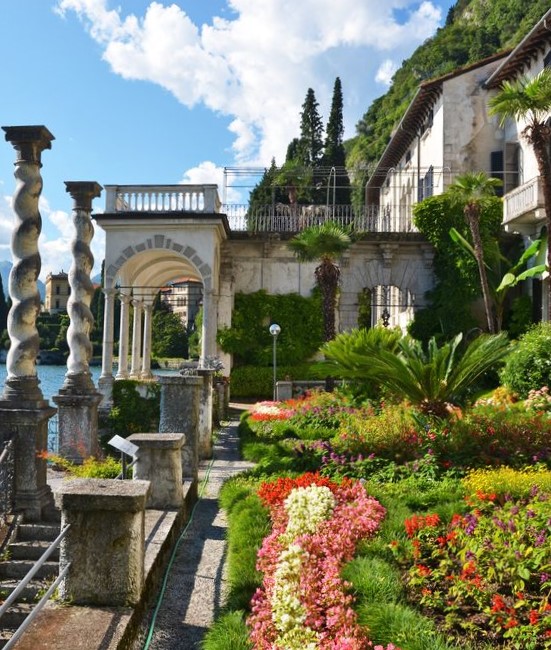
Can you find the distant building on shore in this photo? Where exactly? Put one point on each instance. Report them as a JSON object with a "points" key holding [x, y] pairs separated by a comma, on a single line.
{"points": [[184, 297], [57, 292]]}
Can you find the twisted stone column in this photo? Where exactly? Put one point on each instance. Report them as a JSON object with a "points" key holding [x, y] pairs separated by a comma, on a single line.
{"points": [[78, 377], [24, 412], [22, 381], [78, 399]]}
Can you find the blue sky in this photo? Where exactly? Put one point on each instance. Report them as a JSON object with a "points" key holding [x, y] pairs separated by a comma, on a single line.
{"points": [[136, 91]]}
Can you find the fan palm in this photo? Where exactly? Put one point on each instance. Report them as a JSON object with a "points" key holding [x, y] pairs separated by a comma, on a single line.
{"points": [[430, 379], [324, 243], [529, 101], [472, 191]]}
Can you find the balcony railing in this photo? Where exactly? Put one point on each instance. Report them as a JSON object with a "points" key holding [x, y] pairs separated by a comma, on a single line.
{"points": [[274, 218], [162, 198], [521, 203]]}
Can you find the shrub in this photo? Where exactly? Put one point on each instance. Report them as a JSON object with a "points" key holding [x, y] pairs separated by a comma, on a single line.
{"points": [[90, 468], [507, 481], [133, 411], [529, 364], [257, 381]]}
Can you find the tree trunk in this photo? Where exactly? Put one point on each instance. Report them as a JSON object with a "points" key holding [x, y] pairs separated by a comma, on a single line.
{"points": [[327, 277], [472, 215]]}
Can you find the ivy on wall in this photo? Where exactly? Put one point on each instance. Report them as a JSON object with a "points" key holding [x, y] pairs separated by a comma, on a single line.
{"points": [[249, 339], [457, 280]]}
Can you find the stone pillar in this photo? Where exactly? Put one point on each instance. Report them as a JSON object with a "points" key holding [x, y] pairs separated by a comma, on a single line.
{"points": [[23, 410], [284, 390], [122, 372], [205, 414], [105, 543], [160, 461], [105, 382], [146, 355], [78, 399], [208, 334], [136, 339], [180, 414]]}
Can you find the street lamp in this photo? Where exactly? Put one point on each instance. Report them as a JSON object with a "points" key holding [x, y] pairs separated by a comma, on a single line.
{"points": [[334, 172], [275, 330]]}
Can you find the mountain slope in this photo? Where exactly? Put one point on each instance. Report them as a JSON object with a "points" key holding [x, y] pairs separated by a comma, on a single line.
{"points": [[474, 29]]}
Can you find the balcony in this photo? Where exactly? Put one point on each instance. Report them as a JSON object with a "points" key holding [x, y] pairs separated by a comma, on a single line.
{"points": [[524, 205], [145, 200]]}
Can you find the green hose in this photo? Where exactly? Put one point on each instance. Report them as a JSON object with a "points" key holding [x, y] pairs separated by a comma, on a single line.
{"points": [[173, 555]]}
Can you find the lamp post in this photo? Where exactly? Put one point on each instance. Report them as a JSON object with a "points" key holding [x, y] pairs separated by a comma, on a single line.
{"points": [[275, 330], [334, 173]]}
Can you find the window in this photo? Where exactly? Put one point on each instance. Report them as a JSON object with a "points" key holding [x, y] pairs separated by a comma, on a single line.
{"points": [[57, 291], [496, 169]]}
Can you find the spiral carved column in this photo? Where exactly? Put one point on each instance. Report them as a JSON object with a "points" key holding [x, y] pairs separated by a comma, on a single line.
{"points": [[78, 399], [23, 410]]}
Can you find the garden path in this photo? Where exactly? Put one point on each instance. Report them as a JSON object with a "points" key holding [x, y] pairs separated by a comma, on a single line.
{"points": [[195, 586]]}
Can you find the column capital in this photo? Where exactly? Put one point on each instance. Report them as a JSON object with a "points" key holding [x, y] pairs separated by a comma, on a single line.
{"points": [[82, 193], [125, 298], [108, 291], [29, 141]]}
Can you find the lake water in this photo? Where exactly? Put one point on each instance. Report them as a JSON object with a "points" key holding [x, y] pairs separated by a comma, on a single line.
{"points": [[51, 378]]}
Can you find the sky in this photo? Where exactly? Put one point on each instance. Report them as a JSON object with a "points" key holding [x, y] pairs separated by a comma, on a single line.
{"points": [[140, 92]]}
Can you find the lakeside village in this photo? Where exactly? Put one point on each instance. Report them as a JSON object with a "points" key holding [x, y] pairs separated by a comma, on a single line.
{"points": [[402, 504]]}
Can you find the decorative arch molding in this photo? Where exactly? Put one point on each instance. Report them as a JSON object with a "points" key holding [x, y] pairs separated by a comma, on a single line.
{"points": [[156, 242]]}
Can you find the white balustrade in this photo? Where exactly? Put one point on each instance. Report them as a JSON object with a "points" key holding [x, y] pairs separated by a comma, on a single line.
{"points": [[162, 198], [523, 199]]}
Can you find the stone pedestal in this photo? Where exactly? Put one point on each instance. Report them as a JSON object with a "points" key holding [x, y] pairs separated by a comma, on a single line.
{"points": [[284, 390], [77, 425], [28, 427], [105, 543], [160, 462], [180, 414], [205, 413]]}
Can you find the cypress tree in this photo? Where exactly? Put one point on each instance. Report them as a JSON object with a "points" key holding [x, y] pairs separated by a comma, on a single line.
{"points": [[334, 154], [311, 132]]}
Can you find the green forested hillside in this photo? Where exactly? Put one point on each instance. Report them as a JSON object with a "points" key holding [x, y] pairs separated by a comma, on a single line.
{"points": [[474, 29]]}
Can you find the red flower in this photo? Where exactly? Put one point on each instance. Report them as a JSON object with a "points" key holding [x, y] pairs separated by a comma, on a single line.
{"points": [[534, 617]]}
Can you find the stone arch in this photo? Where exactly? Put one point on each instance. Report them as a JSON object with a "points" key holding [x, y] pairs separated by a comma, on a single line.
{"points": [[159, 242]]}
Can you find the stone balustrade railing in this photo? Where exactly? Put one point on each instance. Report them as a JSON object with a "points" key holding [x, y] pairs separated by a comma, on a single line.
{"points": [[276, 218], [162, 198], [523, 199]]}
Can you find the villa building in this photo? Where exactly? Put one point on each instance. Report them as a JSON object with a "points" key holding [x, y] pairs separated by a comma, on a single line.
{"points": [[57, 292], [184, 296]]}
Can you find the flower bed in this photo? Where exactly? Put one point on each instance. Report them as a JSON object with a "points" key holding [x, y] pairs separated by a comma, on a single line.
{"points": [[303, 603]]}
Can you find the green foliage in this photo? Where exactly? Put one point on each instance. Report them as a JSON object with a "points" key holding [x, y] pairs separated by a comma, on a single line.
{"points": [[61, 338], [257, 381], [503, 481], [529, 364], [250, 341], [90, 468], [311, 132], [48, 326], [135, 407], [457, 277], [169, 336]]}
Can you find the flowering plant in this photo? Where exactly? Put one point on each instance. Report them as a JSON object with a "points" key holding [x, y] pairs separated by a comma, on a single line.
{"points": [[539, 400], [488, 572], [303, 602]]}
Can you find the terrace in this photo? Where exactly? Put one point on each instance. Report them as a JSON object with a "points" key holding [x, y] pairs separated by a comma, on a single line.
{"points": [[274, 218]]}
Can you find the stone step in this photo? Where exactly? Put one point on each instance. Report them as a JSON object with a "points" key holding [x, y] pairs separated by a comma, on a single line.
{"points": [[38, 531], [19, 568], [15, 616], [32, 592], [31, 550]]}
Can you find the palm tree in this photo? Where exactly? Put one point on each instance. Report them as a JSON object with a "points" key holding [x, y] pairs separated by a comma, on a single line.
{"points": [[472, 190], [529, 101], [324, 243], [431, 379]]}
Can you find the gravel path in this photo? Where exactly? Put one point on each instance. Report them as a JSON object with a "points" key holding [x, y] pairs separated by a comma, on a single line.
{"points": [[196, 584]]}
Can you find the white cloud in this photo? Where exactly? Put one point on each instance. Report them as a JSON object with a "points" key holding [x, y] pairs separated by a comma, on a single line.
{"points": [[256, 67], [385, 72]]}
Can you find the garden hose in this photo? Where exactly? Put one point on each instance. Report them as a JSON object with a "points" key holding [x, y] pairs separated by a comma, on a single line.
{"points": [[173, 555]]}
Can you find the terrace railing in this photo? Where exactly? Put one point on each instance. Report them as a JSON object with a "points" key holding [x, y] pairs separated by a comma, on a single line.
{"points": [[142, 200]]}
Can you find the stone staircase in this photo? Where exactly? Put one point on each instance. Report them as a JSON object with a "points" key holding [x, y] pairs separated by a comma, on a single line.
{"points": [[27, 544]]}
